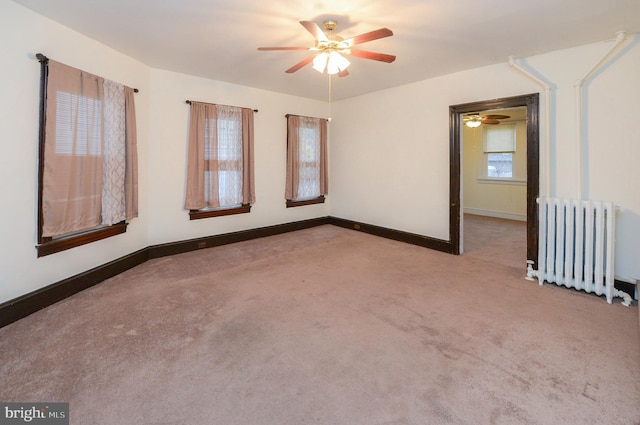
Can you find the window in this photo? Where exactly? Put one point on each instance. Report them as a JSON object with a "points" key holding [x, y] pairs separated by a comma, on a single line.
{"points": [[220, 165], [87, 172], [500, 165], [306, 181], [499, 146]]}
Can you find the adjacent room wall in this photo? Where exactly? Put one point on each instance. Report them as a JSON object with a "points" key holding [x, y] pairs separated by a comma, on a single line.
{"points": [[493, 198]]}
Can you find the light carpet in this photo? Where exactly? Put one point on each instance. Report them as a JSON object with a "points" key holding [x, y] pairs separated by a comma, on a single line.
{"points": [[327, 326]]}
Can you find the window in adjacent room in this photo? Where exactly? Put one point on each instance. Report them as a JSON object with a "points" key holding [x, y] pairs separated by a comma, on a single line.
{"points": [[87, 172], [499, 148], [220, 177], [306, 179], [500, 165]]}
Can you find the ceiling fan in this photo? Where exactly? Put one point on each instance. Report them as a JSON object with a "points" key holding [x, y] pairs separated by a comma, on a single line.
{"points": [[330, 49], [475, 120]]}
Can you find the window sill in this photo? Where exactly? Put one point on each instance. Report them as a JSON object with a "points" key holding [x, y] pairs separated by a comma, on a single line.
{"points": [[303, 202], [62, 244], [199, 214], [499, 180]]}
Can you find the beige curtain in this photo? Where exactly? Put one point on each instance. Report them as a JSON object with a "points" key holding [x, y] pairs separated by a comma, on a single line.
{"points": [[220, 158], [248, 191], [292, 174], [324, 175], [306, 175], [72, 179], [90, 153], [131, 170], [195, 157], [202, 114]]}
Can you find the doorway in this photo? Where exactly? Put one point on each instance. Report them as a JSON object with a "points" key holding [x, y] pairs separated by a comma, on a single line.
{"points": [[456, 113]]}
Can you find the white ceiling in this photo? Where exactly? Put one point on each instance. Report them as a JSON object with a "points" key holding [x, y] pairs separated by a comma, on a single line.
{"points": [[217, 39]]}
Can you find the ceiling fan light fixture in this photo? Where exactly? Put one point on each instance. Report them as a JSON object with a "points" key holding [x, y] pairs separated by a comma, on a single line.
{"points": [[330, 48], [337, 63], [333, 62], [320, 62]]}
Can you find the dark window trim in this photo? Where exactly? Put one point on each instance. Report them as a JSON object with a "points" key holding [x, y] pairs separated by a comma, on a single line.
{"points": [[295, 203], [48, 245], [44, 71], [198, 214]]}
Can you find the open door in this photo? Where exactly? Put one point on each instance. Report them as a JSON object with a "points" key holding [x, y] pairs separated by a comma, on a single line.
{"points": [[531, 102]]}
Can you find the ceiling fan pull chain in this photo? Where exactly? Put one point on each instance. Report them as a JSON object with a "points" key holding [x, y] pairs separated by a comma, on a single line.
{"points": [[329, 97]]}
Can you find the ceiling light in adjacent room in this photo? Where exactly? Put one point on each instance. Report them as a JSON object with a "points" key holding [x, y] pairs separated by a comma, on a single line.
{"points": [[473, 123]]}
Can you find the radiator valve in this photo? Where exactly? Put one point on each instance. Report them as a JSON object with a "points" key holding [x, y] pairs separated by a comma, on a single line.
{"points": [[531, 274]]}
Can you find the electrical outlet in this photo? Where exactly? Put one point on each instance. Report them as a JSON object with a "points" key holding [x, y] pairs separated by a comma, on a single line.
{"points": [[202, 244], [356, 226]]}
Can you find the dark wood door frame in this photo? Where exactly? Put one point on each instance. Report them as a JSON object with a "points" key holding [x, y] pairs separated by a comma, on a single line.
{"points": [[531, 102]]}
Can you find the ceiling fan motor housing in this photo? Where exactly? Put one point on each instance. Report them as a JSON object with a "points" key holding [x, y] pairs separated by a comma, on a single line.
{"points": [[330, 25]]}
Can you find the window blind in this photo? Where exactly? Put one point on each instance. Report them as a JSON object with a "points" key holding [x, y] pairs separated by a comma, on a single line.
{"points": [[500, 138]]}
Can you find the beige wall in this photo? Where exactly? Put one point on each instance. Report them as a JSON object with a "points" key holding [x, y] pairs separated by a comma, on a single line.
{"points": [[162, 120], [493, 198], [389, 150], [168, 220], [23, 34]]}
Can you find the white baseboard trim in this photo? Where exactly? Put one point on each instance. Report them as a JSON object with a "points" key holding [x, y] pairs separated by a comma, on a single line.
{"points": [[496, 214]]}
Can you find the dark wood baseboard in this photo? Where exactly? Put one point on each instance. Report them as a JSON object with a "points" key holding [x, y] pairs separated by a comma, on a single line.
{"points": [[629, 288], [398, 235], [27, 304], [173, 248]]}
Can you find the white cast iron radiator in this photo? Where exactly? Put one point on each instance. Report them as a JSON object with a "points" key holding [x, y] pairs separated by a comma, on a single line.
{"points": [[576, 246]]}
